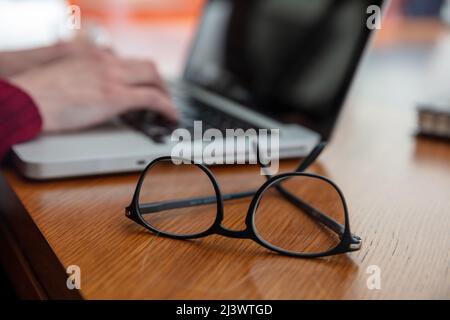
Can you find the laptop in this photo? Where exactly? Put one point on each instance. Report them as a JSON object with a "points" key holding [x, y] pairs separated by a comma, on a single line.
{"points": [[273, 64]]}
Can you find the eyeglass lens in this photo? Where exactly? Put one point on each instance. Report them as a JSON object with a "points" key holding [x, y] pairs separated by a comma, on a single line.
{"points": [[167, 199], [284, 217]]}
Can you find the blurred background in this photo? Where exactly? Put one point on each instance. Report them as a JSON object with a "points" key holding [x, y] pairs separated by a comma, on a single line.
{"points": [[409, 60], [125, 23], [158, 29]]}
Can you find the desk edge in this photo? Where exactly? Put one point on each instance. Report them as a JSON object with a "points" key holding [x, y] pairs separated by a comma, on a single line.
{"points": [[32, 249]]}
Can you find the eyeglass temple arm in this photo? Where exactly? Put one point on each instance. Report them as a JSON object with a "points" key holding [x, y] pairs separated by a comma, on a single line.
{"points": [[311, 157], [326, 220], [307, 161], [312, 212], [193, 202], [148, 208]]}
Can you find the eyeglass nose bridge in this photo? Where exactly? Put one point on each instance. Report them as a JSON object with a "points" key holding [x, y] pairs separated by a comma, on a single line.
{"points": [[237, 234]]}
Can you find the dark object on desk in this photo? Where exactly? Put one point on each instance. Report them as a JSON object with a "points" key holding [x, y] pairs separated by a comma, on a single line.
{"points": [[309, 227], [434, 120]]}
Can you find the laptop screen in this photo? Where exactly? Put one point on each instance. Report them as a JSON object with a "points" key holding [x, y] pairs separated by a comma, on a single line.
{"points": [[290, 59]]}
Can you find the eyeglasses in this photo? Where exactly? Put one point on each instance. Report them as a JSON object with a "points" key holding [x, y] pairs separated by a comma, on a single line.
{"points": [[297, 214]]}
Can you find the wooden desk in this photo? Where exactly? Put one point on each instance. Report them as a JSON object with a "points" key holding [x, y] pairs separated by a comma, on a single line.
{"points": [[397, 188]]}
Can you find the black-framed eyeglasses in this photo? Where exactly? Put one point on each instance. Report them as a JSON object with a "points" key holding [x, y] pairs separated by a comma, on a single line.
{"points": [[297, 214]]}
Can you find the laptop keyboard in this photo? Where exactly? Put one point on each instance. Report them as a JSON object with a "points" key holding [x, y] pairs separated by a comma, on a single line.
{"points": [[157, 128]]}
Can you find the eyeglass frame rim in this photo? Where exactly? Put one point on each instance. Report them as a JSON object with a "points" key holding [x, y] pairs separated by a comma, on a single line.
{"points": [[250, 231]]}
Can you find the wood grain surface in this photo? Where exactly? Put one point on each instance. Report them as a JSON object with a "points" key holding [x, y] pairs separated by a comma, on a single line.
{"points": [[397, 187]]}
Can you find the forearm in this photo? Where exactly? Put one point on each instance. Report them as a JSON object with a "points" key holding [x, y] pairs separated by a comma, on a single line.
{"points": [[19, 117], [15, 62], [8, 64]]}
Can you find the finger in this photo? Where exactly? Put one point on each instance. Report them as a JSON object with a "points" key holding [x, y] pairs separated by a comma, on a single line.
{"points": [[139, 72], [149, 98]]}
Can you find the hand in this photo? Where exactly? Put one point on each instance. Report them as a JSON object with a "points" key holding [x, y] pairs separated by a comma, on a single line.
{"points": [[84, 91]]}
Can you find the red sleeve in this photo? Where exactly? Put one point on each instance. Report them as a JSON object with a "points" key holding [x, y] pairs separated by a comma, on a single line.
{"points": [[19, 117]]}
